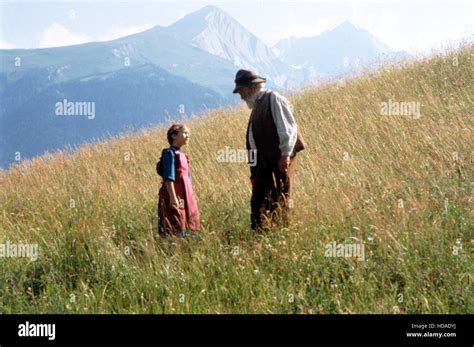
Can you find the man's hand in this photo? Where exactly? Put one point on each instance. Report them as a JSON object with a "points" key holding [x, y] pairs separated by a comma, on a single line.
{"points": [[284, 163]]}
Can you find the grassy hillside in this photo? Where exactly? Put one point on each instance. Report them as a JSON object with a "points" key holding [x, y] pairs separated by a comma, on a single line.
{"points": [[401, 185]]}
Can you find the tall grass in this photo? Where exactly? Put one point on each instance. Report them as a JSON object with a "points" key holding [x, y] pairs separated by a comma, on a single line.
{"points": [[400, 185]]}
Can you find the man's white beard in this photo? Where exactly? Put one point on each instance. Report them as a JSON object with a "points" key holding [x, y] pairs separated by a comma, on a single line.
{"points": [[251, 101]]}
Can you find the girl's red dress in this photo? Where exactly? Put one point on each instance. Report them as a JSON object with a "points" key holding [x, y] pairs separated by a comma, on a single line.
{"points": [[188, 217]]}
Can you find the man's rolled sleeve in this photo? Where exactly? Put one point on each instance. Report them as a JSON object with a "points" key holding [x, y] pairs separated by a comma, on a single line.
{"points": [[285, 123]]}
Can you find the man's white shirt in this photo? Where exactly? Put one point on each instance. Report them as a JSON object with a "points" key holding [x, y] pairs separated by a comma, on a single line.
{"points": [[285, 122]]}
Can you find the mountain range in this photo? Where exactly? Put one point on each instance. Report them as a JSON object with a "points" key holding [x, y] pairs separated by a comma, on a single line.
{"points": [[335, 52], [157, 75]]}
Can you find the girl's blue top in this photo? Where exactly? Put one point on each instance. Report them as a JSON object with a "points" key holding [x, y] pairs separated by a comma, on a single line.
{"points": [[169, 166]]}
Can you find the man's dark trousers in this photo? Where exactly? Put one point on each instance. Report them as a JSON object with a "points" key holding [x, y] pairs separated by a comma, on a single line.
{"points": [[270, 202]]}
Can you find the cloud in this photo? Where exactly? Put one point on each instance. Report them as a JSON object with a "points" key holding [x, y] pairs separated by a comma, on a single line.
{"points": [[57, 35], [302, 30], [6, 45], [118, 32]]}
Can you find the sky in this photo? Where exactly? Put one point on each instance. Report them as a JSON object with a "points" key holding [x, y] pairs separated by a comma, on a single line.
{"points": [[412, 26]]}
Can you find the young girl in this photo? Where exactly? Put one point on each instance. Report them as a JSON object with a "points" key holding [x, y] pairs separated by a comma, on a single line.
{"points": [[178, 212]]}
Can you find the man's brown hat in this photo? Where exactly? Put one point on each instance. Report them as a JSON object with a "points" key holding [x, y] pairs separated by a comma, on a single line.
{"points": [[245, 78]]}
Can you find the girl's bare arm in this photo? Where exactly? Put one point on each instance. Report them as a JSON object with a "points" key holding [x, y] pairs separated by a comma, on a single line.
{"points": [[173, 198]]}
